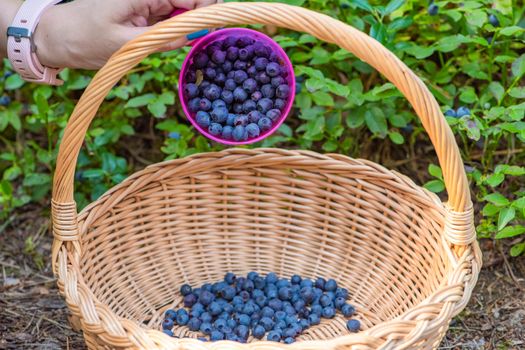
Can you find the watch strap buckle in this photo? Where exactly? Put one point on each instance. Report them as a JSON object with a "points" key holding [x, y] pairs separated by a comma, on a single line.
{"points": [[18, 33]]}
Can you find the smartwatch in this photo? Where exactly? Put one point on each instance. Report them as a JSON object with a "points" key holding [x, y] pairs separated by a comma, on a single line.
{"points": [[21, 49]]}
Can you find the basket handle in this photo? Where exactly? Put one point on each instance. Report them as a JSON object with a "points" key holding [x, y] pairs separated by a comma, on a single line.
{"points": [[296, 18]]}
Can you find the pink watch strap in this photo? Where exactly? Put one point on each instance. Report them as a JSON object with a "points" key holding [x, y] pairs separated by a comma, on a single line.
{"points": [[20, 46]]}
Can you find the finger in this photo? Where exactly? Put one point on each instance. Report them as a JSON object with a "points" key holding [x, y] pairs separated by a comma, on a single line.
{"points": [[153, 10]]}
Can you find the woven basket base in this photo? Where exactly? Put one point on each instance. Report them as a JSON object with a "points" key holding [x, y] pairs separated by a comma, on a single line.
{"points": [[290, 212]]}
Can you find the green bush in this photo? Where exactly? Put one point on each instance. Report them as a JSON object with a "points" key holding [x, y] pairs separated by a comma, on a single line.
{"points": [[464, 56]]}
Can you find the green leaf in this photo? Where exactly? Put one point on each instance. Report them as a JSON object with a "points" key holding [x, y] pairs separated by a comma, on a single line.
{"points": [[157, 108], [312, 113], [454, 14], [435, 186], [319, 56], [362, 4], [314, 84], [476, 18], [392, 6], [8, 156], [517, 92], [497, 90], [80, 82], [41, 103], [330, 146], [518, 67], [396, 137], [322, 98], [469, 5], [505, 216], [517, 249], [513, 170], [336, 88], [378, 31], [14, 120], [12, 173], [435, 171], [341, 54], [303, 101], [509, 31], [450, 43], [93, 173], [497, 199], [311, 72], [36, 179], [127, 129], [355, 119], [300, 56], [285, 41], [6, 188], [468, 95], [490, 209], [285, 130], [519, 203], [517, 112], [495, 180], [400, 23], [510, 231], [140, 101], [503, 6], [109, 162], [419, 52], [13, 82], [167, 125], [118, 178], [381, 92], [375, 121], [474, 70], [307, 39], [314, 128], [167, 98], [397, 120], [356, 92], [504, 59], [514, 127]]}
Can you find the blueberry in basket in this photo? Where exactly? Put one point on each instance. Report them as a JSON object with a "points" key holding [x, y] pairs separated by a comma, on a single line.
{"points": [[237, 86], [253, 307]]}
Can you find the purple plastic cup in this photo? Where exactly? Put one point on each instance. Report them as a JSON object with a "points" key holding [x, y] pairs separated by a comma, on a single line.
{"points": [[201, 44]]}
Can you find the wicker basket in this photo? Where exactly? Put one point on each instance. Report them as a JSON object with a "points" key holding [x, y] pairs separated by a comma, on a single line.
{"points": [[409, 260]]}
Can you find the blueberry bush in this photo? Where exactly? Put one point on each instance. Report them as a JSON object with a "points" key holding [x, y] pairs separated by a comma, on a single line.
{"points": [[471, 54]]}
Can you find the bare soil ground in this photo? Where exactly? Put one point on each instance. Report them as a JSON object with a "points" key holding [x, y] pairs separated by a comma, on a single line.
{"points": [[34, 316]]}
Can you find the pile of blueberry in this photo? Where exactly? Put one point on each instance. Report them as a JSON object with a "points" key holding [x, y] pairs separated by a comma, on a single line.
{"points": [[277, 309], [236, 88]]}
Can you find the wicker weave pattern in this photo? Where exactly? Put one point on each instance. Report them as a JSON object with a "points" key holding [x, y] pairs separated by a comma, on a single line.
{"points": [[409, 261]]}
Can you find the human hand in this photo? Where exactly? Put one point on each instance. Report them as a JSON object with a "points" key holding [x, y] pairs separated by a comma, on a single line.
{"points": [[85, 33]]}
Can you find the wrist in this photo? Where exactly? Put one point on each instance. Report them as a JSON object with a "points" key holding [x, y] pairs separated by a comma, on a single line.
{"points": [[9, 9], [50, 38]]}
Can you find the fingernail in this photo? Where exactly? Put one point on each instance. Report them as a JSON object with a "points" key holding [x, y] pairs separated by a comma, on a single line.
{"points": [[198, 34]]}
